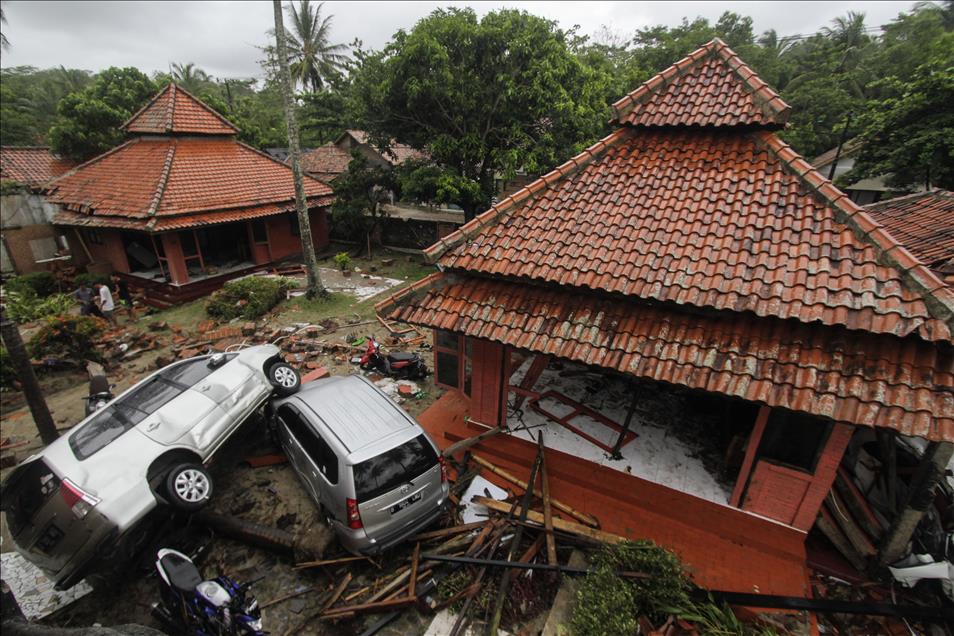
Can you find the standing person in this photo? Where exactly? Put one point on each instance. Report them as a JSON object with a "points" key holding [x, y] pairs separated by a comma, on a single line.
{"points": [[122, 290], [84, 294], [104, 300]]}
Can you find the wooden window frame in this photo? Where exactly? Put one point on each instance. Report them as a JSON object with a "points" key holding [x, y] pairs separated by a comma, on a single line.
{"points": [[464, 362]]}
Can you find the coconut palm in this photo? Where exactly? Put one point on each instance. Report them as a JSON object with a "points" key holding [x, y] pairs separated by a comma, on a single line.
{"points": [[4, 42], [190, 77], [314, 60]]}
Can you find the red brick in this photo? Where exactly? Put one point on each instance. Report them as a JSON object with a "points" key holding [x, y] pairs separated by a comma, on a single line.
{"points": [[317, 374]]}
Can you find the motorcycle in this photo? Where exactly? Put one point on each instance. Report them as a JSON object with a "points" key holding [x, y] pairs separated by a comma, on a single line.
{"points": [[190, 605], [100, 393], [398, 364]]}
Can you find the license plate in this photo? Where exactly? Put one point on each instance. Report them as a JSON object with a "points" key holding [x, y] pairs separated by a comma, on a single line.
{"points": [[398, 507]]}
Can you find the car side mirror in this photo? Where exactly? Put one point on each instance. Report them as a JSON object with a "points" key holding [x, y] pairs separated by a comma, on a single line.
{"points": [[217, 360]]}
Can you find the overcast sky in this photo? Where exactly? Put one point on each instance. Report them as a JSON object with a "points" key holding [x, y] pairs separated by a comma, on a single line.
{"points": [[221, 37]]}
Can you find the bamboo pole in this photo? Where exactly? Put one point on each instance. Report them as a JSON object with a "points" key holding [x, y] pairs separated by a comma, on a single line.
{"points": [[547, 513], [583, 517], [558, 524]]}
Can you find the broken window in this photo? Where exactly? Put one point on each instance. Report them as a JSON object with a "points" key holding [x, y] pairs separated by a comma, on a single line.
{"points": [[793, 439], [43, 248]]}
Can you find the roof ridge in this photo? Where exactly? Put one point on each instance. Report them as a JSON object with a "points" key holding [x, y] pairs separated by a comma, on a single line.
{"points": [[171, 114], [50, 185], [163, 181], [938, 297], [941, 192], [762, 94], [145, 106], [497, 212], [207, 107], [174, 88]]}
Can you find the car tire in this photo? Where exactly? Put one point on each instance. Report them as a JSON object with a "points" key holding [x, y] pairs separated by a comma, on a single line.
{"points": [[189, 487], [284, 378]]}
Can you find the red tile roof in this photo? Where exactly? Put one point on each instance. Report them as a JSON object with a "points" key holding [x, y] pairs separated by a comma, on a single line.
{"points": [[923, 223], [710, 87], [708, 218], [850, 376], [174, 110], [396, 154], [325, 162], [160, 183], [30, 165]]}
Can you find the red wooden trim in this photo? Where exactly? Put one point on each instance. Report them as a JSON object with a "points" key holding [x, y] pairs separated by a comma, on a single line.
{"points": [[198, 250], [537, 367], [824, 477], [578, 410], [746, 471], [862, 500], [159, 259], [439, 349]]}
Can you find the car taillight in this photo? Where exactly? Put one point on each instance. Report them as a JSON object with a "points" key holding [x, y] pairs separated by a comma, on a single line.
{"points": [[443, 464], [354, 516], [79, 501]]}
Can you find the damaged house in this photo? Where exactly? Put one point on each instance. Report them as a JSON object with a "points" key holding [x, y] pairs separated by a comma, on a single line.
{"points": [[182, 206], [698, 320]]}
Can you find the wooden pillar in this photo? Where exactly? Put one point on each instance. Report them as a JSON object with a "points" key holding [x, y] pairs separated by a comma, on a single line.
{"points": [[754, 440], [175, 259], [825, 471]]}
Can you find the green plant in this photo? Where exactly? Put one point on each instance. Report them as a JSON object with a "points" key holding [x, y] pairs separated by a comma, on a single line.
{"points": [[343, 261], [8, 186], [68, 337], [608, 605], [90, 279], [7, 374], [24, 306], [248, 298], [41, 284], [715, 619]]}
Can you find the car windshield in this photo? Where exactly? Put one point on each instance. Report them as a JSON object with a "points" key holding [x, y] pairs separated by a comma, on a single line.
{"points": [[387, 471]]}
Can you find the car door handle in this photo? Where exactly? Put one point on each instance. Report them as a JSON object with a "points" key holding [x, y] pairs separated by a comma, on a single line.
{"points": [[205, 387], [152, 426]]}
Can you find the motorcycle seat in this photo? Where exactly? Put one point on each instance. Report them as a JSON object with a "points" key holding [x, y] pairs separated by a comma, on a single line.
{"points": [[401, 356], [183, 575]]}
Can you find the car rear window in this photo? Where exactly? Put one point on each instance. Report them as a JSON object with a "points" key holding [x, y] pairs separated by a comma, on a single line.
{"points": [[387, 471], [122, 415], [25, 492]]}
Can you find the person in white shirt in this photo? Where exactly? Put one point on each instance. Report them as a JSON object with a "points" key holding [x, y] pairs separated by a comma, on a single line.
{"points": [[104, 300]]}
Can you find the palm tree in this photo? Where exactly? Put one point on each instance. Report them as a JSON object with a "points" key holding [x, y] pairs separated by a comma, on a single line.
{"points": [[190, 77], [4, 42], [315, 288], [848, 35], [313, 59]]}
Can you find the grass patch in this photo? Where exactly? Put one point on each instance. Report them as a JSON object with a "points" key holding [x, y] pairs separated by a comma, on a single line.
{"points": [[186, 316], [337, 306]]}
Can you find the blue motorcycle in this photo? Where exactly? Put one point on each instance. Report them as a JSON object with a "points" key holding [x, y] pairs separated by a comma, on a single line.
{"points": [[197, 607]]}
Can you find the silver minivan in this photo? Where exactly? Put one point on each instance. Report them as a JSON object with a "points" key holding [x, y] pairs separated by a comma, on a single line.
{"points": [[372, 469]]}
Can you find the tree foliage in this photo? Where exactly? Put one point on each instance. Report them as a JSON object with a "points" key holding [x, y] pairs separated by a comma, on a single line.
{"points": [[481, 96], [88, 121], [359, 192]]}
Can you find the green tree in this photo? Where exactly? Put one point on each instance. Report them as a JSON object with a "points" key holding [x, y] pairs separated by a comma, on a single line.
{"points": [[88, 121], [481, 96], [314, 60], [910, 135], [359, 192], [4, 42], [29, 100]]}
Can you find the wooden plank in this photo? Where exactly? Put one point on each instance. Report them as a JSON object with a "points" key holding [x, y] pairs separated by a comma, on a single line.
{"points": [[456, 447], [755, 438], [858, 503], [339, 590], [584, 517], [547, 513], [446, 532], [348, 611], [558, 524], [846, 522], [412, 586], [533, 549], [316, 564], [525, 388], [833, 533]]}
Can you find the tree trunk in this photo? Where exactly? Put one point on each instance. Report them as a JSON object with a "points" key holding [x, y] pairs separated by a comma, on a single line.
{"points": [[315, 288], [920, 495], [31, 388]]}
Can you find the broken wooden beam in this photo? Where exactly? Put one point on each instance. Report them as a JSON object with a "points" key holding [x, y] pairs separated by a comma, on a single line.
{"points": [[583, 517], [547, 514], [558, 524], [517, 565], [317, 564], [463, 444], [437, 534]]}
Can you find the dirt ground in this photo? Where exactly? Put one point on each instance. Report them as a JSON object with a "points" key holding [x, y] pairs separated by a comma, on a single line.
{"points": [[270, 496]]}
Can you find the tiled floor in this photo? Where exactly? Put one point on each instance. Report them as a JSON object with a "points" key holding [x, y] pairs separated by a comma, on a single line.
{"points": [[724, 548]]}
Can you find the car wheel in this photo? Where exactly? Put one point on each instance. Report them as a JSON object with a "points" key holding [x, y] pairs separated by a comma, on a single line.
{"points": [[189, 487], [284, 378]]}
